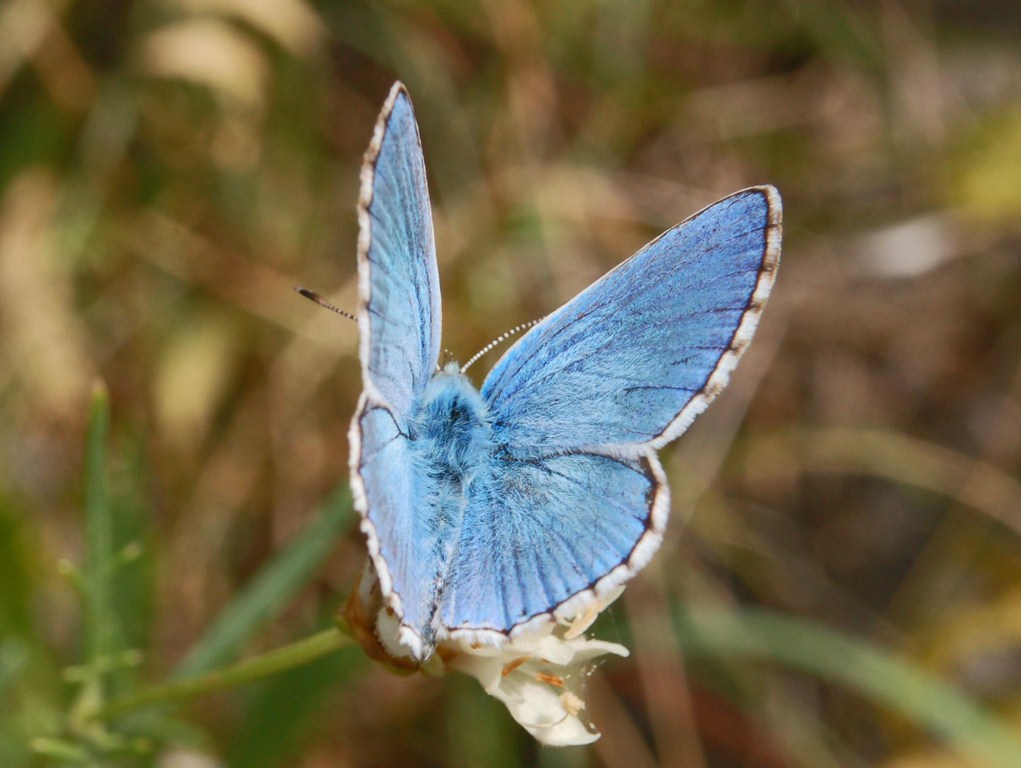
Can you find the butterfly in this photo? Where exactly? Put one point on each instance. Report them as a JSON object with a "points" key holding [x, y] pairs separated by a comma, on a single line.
{"points": [[493, 512]]}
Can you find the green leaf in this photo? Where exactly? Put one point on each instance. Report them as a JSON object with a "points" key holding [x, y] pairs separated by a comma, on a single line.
{"points": [[101, 628], [270, 591], [904, 687]]}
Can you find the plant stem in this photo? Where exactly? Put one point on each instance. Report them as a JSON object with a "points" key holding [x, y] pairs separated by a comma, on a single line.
{"points": [[247, 671]]}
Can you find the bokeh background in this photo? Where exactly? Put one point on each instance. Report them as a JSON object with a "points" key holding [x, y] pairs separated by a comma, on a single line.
{"points": [[845, 545]]}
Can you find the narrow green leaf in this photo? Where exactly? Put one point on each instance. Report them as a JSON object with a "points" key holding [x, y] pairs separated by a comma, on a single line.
{"points": [[100, 621], [894, 682], [270, 591]]}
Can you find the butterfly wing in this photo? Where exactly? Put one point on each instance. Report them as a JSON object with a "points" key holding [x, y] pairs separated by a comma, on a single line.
{"points": [[550, 534], [573, 502], [397, 276], [635, 357], [399, 323]]}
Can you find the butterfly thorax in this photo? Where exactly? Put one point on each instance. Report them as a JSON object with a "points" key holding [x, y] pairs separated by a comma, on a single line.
{"points": [[450, 433], [451, 424]]}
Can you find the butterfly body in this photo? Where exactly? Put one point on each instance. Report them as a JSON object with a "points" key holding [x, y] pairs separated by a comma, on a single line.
{"points": [[449, 438], [493, 512]]}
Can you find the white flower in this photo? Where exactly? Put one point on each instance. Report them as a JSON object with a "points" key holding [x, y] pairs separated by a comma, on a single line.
{"points": [[539, 675]]}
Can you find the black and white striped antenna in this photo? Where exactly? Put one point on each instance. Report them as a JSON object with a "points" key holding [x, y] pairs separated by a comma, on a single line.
{"points": [[499, 340], [313, 296]]}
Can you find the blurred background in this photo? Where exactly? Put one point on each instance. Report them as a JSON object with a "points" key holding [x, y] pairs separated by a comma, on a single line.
{"points": [[843, 564]]}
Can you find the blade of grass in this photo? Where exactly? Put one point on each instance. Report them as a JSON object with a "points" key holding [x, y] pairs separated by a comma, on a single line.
{"points": [[101, 629], [879, 675], [270, 591]]}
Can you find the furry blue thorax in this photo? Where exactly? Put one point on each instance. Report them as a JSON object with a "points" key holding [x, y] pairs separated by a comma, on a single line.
{"points": [[450, 428]]}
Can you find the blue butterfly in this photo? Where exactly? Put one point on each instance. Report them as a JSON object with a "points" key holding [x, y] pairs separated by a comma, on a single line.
{"points": [[491, 512]]}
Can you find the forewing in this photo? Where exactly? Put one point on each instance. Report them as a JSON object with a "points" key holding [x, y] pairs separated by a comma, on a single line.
{"points": [[399, 323], [399, 317], [634, 358], [548, 536]]}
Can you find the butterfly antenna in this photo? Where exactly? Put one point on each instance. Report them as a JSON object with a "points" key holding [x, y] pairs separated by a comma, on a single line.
{"points": [[313, 296], [499, 340], [448, 357]]}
